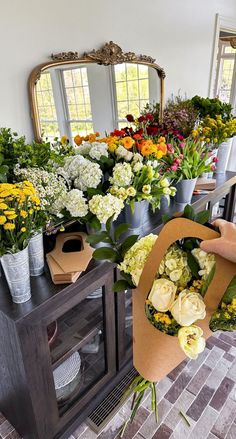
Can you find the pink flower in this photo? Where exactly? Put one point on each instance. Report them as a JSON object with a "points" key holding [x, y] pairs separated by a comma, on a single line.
{"points": [[170, 148], [182, 145], [174, 167], [181, 156], [215, 160], [177, 161], [213, 167], [180, 137]]}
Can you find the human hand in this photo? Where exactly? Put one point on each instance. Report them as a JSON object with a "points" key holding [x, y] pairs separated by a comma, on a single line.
{"points": [[224, 246]]}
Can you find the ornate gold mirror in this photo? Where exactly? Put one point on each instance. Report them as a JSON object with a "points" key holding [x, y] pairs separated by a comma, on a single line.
{"points": [[73, 94]]}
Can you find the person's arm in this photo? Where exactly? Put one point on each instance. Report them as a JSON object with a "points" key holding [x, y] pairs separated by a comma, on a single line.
{"points": [[225, 245]]}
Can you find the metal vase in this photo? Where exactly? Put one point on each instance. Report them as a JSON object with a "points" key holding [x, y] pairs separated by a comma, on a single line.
{"points": [[223, 156], [36, 255], [185, 190], [136, 218], [16, 269]]}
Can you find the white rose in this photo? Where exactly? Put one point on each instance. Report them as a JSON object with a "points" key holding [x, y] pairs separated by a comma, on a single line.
{"points": [[191, 341], [188, 308], [162, 294]]}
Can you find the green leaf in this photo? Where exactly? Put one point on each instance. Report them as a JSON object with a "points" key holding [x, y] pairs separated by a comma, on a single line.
{"points": [[98, 237], [104, 253], [128, 243], [95, 223], [120, 229], [193, 265], [208, 281], [230, 293], [202, 217], [121, 285], [91, 192], [166, 218], [188, 212], [108, 223]]}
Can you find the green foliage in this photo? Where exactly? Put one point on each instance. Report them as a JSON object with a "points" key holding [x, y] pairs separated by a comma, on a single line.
{"points": [[208, 281], [193, 265], [211, 107], [105, 253], [121, 285], [3, 170], [230, 293], [15, 150]]}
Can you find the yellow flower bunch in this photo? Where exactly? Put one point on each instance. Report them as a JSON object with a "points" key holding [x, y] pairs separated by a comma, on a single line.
{"points": [[215, 130], [112, 141], [19, 205]]}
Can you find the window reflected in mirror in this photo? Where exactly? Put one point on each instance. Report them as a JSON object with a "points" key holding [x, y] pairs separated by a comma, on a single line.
{"points": [[85, 98]]}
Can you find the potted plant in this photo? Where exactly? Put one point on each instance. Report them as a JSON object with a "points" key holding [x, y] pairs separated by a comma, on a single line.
{"points": [[19, 208], [218, 135], [184, 163]]}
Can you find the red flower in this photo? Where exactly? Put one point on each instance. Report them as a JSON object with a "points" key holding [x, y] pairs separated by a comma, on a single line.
{"points": [[137, 136], [130, 118], [180, 137], [141, 119], [118, 133], [215, 160], [152, 130], [149, 116]]}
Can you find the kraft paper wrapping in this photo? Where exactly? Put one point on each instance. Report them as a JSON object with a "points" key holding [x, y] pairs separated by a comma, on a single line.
{"points": [[156, 353]]}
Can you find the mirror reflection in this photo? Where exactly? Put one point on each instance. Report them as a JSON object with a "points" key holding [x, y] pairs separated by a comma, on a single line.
{"points": [[87, 97]]}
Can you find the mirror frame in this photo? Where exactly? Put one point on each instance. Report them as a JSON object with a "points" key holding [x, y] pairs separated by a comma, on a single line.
{"points": [[109, 54]]}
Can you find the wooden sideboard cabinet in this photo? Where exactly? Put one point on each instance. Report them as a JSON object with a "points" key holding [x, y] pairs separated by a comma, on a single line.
{"points": [[27, 363]]}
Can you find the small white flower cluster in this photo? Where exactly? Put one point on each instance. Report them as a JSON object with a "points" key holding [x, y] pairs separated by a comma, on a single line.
{"points": [[123, 153], [86, 174], [122, 175], [175, 266], [105, 206], [94, 150], [205, 260], [49, 186]]}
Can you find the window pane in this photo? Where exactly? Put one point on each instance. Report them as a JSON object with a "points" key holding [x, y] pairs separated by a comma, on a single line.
{"points": [[227, 69], [132, 89], [132, 71], [46, 107], [50, 130], [229, 49], [81, 128]]}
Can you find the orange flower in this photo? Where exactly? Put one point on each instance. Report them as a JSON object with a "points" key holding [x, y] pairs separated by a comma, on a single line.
{"points": [[93, 137], [162, 147], [127, 142], [148, 148], [161, 139], [78, 140]]}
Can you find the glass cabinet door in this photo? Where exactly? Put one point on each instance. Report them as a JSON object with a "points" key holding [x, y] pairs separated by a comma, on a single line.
{"points": [[82, 349], [124, 328]]}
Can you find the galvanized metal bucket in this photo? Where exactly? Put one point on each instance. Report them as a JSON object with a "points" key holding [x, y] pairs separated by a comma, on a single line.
{"points": [[16, 269], [185, 190], [36, 255]]}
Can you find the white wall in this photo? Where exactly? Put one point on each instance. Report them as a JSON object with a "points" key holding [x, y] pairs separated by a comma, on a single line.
{"points": [[178, 33]]}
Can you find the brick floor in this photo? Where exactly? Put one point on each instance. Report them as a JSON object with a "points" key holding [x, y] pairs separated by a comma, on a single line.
{"points": [[203, 390]]}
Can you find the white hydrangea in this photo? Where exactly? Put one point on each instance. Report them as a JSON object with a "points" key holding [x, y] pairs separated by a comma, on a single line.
{"points": [[89, 176], [84, 148], [105, 206], [123, 153], [50, 187], [174, 265], [98, 149], [136, 257], [205, 260], [75, 203], [72, 165], [122, 175]]}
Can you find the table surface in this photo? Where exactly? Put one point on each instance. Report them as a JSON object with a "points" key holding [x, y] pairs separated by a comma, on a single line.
{"points": [[42, 287]]}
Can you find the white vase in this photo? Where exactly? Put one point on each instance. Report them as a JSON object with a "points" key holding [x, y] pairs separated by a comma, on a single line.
{"points": [[36, 254], [16, 269], [223, 156]]}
